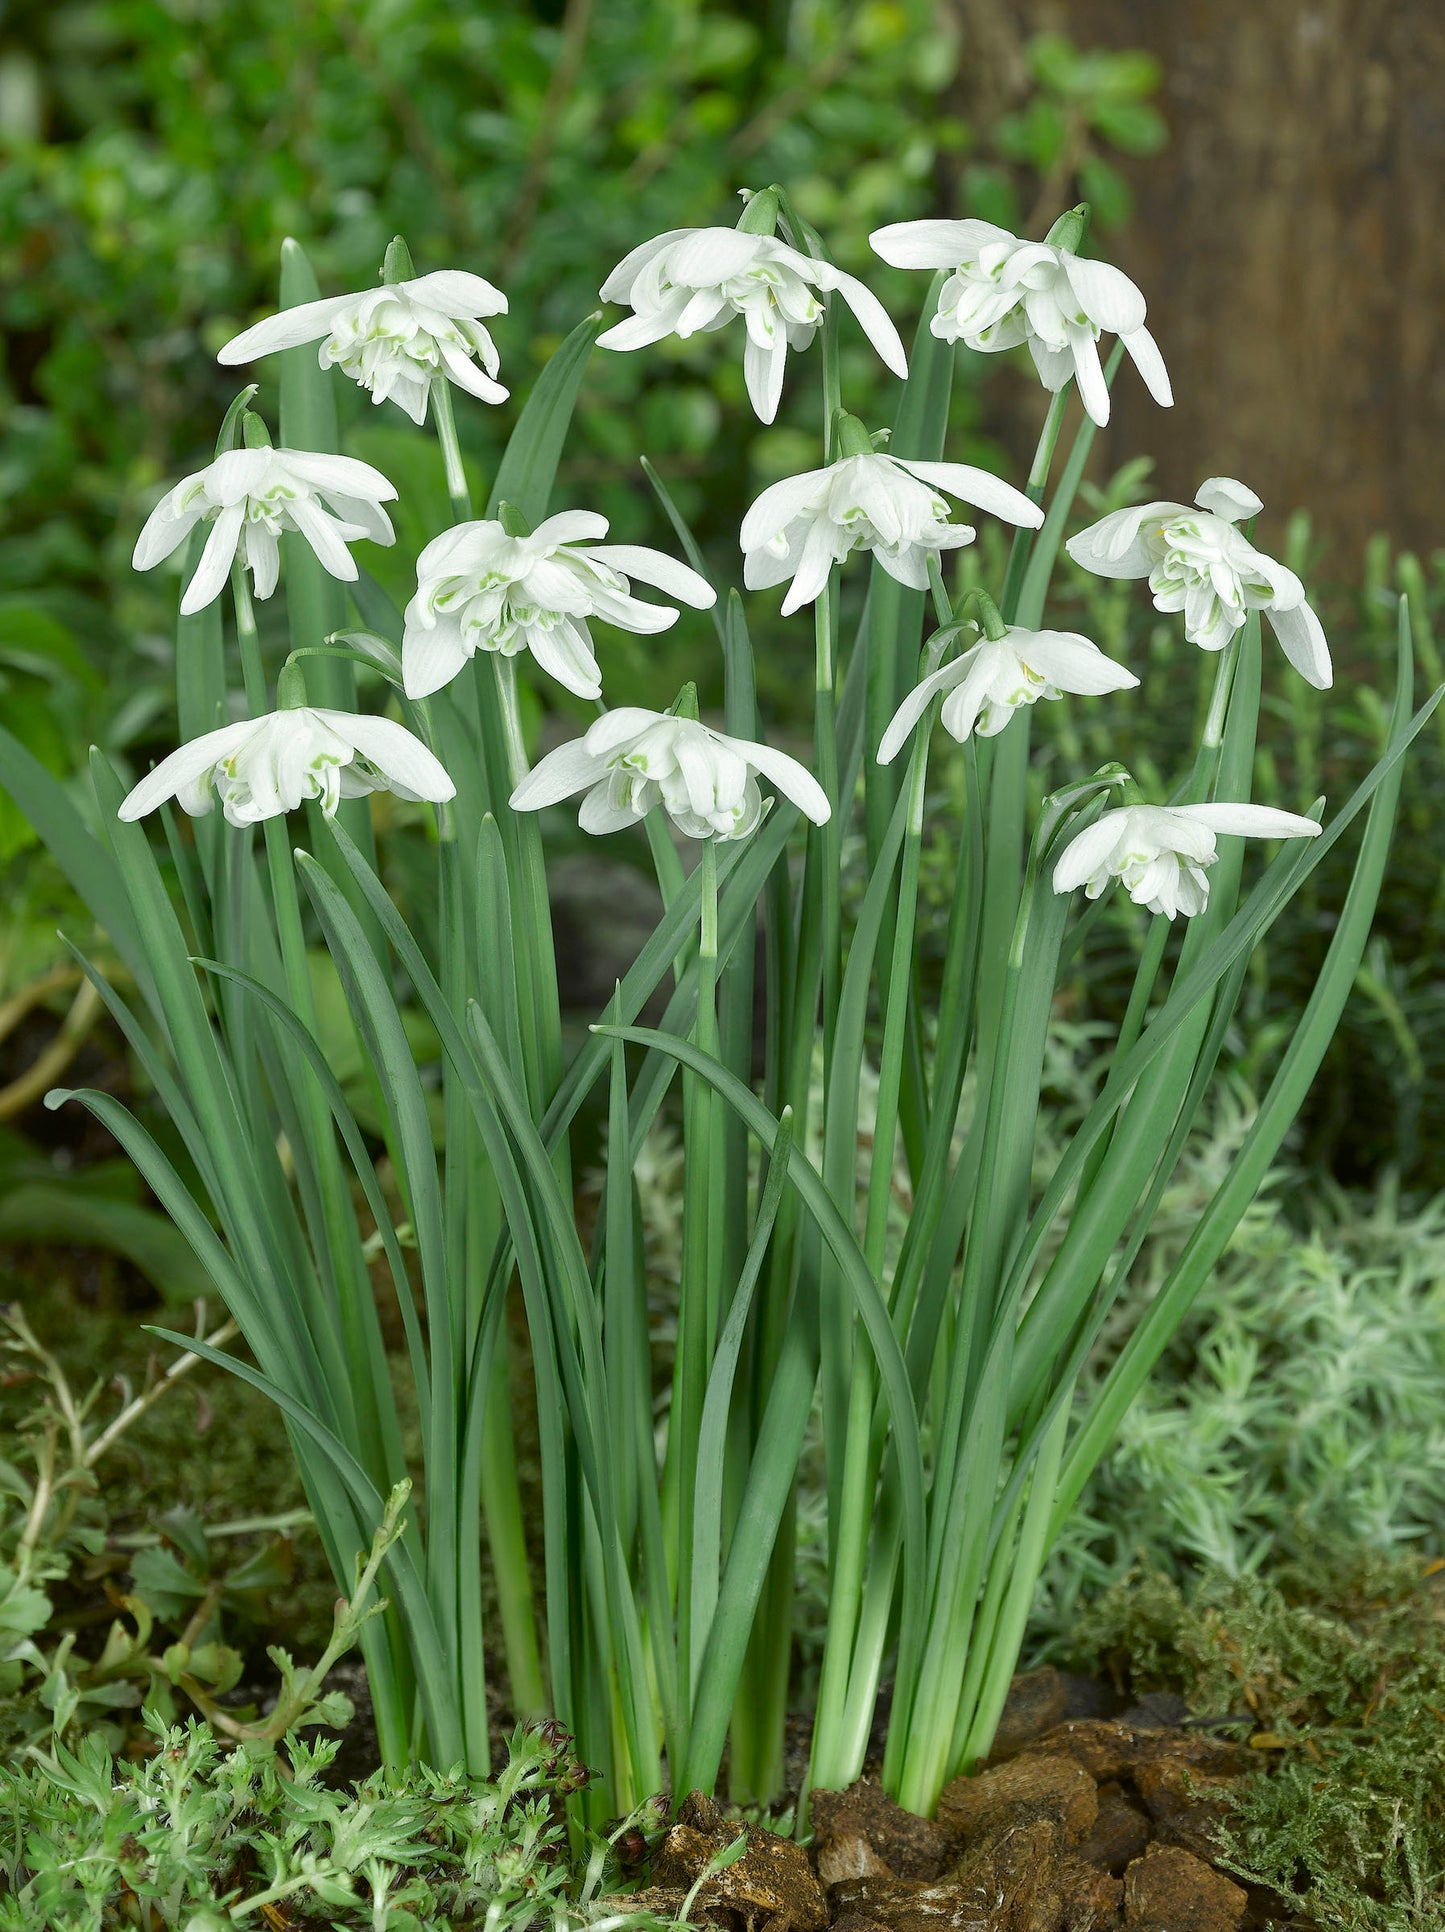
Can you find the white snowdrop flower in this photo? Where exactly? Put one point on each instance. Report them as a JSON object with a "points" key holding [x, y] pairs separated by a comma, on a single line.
{"points": [[1162, 852], [480, 587], [801, 527], [1197, 561], [395, 339], [266, 766], [249, 496], [1004, 292], [632, 759], [986, 684], [694, 279]]}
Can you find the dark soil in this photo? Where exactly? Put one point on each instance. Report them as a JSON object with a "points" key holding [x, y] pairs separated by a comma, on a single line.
{"points": [[1076, 1823]]}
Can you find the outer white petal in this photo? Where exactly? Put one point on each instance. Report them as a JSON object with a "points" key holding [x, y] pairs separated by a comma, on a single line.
{"points": [[906, 717], [568, 769], [456, 293], [263, 554], [1252, 821], [793, 780], [431, 658], [568, 526], [616, 728], [1115, 547], [1150, 364], [654, 567], [982, 487], [647, 326], [184, 766], [324, 538], [1223, 497], [334, 476], [707, 256], [216, 559], [466, 375], [775, 509], [934, 244], [816, 561], [763, 366], [1055, 366], [308, 322], [1072, 662], [618, 286], [874, 320], [1106, 295], [600, 816], [1302, 639], [564, 654], [1083, 856], [166, 528], [1093, 389], [398, 754]]}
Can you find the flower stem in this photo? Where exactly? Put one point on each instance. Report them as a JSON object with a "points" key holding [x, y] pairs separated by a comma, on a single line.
{"points": [[446, 428]]}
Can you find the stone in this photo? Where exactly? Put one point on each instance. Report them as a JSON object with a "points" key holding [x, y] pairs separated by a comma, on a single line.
{"points": [[1036, 1702], [1170, 1890], [1031, 1785], [848, 1854], [772, 1883], [1184, 1802], [1109, 1749], [1119, 1834], [910, 1847], [1093, 1900]]}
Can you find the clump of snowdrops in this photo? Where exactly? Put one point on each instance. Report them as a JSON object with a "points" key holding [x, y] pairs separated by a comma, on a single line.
{"points": [[942, 1359]]}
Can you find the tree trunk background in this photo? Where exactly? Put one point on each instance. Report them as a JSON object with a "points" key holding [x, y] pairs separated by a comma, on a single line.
{"points": [[1290, 241]]}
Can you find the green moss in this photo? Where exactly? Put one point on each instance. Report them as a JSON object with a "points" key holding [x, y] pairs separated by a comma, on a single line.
{"points": [[1338, 1669]]}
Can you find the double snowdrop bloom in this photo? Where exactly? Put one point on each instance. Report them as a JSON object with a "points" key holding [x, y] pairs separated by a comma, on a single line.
{"points": [[1197, 561], [396, 339], [249, 496], [1162, 852], [692, 279], [632, 759], [801, 527], [267, 766], [988, 683], [1004, 292], [479, 588]]}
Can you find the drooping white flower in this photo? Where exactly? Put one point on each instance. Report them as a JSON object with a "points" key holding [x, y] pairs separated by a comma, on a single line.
{"points": [[632, 759], [394, 339], [693, 279], [1162, 852], [266, 766], [479, 588], [1004, 292], [249, 496], [1197, 561], [801, 527], [989, 682]]}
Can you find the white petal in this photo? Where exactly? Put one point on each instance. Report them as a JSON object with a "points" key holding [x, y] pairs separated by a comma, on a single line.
{"points": [[934, 244], [775, 509], [1223, 497], [1302, 639], [324, 538], [185, 766], [167, 527], [466, 375], [600, 816], [913, 707], [819, 554], [763, 367], [1055, 366], [707, 256], [618, 286], [337, 475], [982, 487], [396, 752], [1150, 364], [308, 322], [456, 293], [1071, 662], [1093, 390], [431, 658], [1106, 295], [793, 780], [617, 727], [647, 326], [263, 554], [1085, 854], [653, 567], [873, 318], [564, 653], [1252, 821], [1115, 546], [568, 526], [568, 769], [216, 560]]}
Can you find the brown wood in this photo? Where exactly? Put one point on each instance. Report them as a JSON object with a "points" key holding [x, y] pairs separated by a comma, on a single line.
{"points": [[1290, 242]]}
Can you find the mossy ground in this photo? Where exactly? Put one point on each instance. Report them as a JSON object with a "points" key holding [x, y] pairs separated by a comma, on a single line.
{"points": [[1337, 1669]]}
